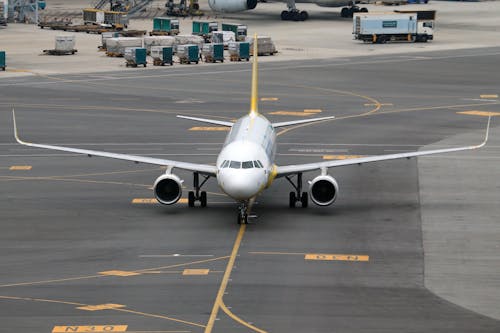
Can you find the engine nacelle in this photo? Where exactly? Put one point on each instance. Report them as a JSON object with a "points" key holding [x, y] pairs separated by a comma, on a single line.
{"points": [[323, 190], [231, 6], [168, 189]]}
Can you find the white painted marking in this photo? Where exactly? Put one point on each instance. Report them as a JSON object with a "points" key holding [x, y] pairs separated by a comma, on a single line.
{"points": [[173, 255]]}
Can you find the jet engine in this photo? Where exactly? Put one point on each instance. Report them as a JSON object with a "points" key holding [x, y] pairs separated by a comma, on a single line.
{"points": [[168, 189], [231, 6], [323, 190]]}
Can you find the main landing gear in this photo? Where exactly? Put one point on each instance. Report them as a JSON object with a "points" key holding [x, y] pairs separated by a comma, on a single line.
{"points": [[298, 195], [198, 195], [293, 14], [349, 11]]}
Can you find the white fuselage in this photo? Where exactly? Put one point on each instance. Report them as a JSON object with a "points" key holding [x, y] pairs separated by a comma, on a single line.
{"points": [[245, 164]]}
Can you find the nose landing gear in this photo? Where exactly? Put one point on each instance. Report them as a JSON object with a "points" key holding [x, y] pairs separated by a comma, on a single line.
{"points": [[243, 213]]}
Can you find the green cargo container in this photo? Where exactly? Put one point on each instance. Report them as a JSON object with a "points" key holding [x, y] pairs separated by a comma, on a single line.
{"points": [[188, 53], [2, 60], [245, 50], [213, 52], [135, 56], [204, 28], [168, 52], [165, 25], [240, 30]]}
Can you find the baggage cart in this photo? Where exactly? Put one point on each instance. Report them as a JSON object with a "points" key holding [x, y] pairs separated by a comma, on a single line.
{"points": [[188, 53], [213, 52], [164, 26], [239, 51], [135, 56], [240, 30], [162, 55], [205, 29]]}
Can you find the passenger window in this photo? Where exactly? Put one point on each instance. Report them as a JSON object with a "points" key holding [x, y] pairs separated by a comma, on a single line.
{"points": [[247, 165], [235, 165]]}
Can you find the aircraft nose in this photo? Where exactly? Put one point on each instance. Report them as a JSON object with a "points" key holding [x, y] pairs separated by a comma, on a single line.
{"points": [[240, 186]]}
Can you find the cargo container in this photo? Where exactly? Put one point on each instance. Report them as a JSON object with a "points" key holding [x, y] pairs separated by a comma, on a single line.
{"points": [[4, 10], [115, 47], [65, 43], [382, 28], [224, 37], [118, 20], [164, 26], [205, 29], [135, 56], [265, 45], [151, 41], [239, 51], [188, 53], [188, 39], [3, 63], [162, 55], [213, 52], [105, 36], [240, 30]]}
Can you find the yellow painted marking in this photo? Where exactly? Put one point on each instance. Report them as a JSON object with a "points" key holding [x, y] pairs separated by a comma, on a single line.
{"points": [[239, 320], [312, 110], [489, 96], [119, 273], [291, 113], [108, 306], [20, 167], [225, 279], [269, 99], [183, 200], [210, 128], [340, 157], [188, 271], [93, 328], [480, 113], [144, 201], [336, 257]]}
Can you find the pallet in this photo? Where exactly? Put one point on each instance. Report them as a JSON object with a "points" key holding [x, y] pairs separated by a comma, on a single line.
{"points": [[163, 33], [59, 52], [237, 58], [158, 62], [131, 64], [212, 60], [114, 55]]}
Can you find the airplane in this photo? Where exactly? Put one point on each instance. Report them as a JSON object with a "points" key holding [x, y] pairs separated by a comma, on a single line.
{"points": [[292, 14], [246, 164]]}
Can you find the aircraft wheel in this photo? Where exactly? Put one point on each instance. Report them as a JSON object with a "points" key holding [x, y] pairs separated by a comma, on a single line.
{"points": [[364, 10], [203, 199], [304, 199], [293, 200], [344, 12], [303, 15], [285, 15], [190, 199]]}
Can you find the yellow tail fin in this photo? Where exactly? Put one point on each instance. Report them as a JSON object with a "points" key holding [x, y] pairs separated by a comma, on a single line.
{"points": [[254, 102]]}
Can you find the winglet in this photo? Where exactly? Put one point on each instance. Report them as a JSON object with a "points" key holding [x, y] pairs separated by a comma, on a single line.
{"points": [[15, 126], [255, 95]]}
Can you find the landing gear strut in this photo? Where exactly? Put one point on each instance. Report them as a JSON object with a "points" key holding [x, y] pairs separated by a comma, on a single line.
{"points": [[349, 11], [293, 14], [198, 195], [243, 213], [298, 195]]}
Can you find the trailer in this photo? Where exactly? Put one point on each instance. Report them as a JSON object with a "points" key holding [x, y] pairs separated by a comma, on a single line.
{"points": [[240, 30], [135, 56], [382, 28], [239, 51], [3, 64], [116, 20], [205, 29], [165, 26], [162, 55], [213, 52]]}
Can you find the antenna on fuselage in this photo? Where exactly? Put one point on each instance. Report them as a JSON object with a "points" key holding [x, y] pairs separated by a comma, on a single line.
{"points": [[254, 101]]}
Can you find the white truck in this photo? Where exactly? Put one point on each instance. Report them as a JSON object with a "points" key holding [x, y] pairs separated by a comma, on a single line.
{"points": [[407, 26]]}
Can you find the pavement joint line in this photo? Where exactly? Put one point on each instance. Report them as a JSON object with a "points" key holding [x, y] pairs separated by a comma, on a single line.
{"points": [[239, 320], [225, 279]]}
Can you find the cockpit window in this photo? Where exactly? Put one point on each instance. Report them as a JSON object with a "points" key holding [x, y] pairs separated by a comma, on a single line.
{"points": [[235, 165], [224, 164], [247, 165], [258, 164]]}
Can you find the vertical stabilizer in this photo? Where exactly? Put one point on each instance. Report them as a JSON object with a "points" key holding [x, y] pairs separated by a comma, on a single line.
{"points": [[254, 102]]}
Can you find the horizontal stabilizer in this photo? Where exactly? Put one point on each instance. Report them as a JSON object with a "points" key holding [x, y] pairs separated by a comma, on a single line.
{"points": [[208, 121], [303, 121]]}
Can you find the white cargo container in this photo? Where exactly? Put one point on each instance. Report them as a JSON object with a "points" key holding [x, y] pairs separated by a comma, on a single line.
{"points": [[265, 45], [151, 41], [381, 28], [224, 37], [65, 43], [116, 46]]}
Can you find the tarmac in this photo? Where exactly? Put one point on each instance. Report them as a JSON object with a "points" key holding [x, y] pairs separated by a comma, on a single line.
{"points": [[85, 248]]}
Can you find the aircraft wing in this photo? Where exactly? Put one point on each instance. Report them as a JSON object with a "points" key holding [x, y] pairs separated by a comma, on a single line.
{"points": [[201, 168], [208, 121], [293, 169]]}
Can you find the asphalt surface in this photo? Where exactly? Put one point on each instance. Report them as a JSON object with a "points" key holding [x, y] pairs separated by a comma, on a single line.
{"points": [[70, 218]]}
